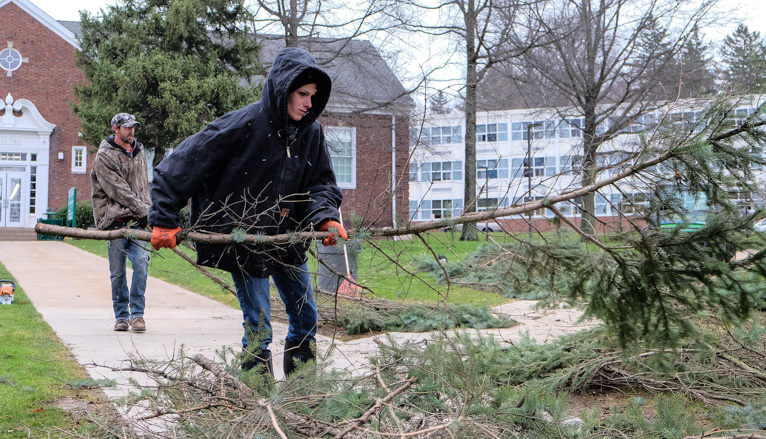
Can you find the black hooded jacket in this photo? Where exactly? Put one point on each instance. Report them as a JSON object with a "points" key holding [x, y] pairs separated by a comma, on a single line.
{"points": [[245, 171]]}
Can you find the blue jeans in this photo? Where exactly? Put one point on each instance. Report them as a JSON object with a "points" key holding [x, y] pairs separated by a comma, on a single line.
{"points": [[294, 287], [128, 304]]}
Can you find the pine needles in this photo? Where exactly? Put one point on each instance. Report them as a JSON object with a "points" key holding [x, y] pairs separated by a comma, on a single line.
{"points": [[464, 386]]}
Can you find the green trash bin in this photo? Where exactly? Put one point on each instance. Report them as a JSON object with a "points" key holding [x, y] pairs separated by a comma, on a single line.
{"points": [[51, 218]]}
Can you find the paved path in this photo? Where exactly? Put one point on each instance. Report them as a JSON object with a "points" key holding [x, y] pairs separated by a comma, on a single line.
{"points": [[70, 288]]}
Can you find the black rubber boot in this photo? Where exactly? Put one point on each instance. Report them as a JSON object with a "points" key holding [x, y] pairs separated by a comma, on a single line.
{"points": [[250, 361], [296, 353]]}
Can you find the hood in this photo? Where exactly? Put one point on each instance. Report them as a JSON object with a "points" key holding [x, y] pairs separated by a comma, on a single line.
{"points": [[288, 64]]}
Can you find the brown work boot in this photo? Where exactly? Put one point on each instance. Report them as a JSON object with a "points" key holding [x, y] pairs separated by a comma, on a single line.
{"points": [[121, 325], [138, 324]]}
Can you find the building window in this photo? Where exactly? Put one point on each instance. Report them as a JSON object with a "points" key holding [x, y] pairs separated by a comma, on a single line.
{"points": [[13, 156], [488, 169], [741, 115], [537, 212], [635, 203], [438, 171], [10, 59], [78, 159], [486, 203], [341, 142], [442, 135], [572, 128], [428, 210], [32, 189], [542, 129], [541, 166], [493, 132]]}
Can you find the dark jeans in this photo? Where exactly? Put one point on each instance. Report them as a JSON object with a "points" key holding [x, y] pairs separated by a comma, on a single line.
{"points": [[294, 287]]}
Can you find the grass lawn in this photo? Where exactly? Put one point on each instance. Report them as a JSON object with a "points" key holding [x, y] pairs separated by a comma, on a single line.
{"points": [[389, 275], [38, 376]]}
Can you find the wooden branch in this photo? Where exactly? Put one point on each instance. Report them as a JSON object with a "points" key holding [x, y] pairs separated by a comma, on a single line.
{"points": [[377, 407], [217, 279], [410, 228], [212, 367], [183, 235], [274, 422]]}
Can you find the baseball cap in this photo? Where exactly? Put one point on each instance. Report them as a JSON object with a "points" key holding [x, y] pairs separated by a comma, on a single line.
{"points": [[124, 120]]}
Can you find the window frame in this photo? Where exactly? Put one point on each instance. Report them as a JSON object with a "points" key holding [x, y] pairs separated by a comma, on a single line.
{"points": [[328, 135], [82, 152]]}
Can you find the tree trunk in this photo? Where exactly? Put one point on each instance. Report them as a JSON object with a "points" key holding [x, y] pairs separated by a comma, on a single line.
{"points": [[470, 233], [589, 174]]}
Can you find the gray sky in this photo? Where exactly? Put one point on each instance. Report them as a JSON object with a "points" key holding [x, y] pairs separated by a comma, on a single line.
{"points": [[752, 11]]}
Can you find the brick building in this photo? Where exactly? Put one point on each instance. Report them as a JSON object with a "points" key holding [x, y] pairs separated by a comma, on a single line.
{"points": [[42, 156]]}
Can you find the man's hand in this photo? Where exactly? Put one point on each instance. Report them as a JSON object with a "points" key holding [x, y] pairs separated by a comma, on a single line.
{"points": [[163, 237], [330, 224]]}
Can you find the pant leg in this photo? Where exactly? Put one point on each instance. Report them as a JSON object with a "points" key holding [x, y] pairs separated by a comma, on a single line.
{"points": [[117, 274], [253, 296], [139, 257], [294, 286]]}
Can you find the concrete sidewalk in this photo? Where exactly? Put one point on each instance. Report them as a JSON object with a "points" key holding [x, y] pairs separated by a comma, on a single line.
{"points": [[71, 289]]}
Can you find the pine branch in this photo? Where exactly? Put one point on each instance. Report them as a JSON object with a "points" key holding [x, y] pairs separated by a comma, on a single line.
{"points": [[217, 279]]}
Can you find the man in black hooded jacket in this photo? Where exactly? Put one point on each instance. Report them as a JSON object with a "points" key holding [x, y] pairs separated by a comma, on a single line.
{"points": [[262, 169]]}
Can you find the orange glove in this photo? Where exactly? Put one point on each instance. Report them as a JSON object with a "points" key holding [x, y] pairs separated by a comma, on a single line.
{"points": [[163, 237], [330, 224]]}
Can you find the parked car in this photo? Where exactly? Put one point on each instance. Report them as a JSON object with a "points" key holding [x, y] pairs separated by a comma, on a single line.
{"points": [[760, 226], [482, 226]]}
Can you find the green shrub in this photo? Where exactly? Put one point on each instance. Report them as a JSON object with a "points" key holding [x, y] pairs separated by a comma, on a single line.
{"points": [[83, 214]]}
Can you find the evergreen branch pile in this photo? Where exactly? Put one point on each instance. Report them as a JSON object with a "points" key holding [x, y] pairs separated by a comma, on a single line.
{"points": [[358, 319], [464, 386]]}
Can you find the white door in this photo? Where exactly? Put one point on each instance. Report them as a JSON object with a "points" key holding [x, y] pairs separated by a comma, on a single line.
{"points": [[12, 199]]}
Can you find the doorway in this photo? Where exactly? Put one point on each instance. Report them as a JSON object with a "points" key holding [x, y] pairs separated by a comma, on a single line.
{"points": [[12, 198]]}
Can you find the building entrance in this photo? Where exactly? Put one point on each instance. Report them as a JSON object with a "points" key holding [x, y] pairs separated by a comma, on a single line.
{"points": [[12, 197]]}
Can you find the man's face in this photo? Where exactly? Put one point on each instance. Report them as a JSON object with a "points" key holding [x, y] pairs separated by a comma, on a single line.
{"points": [[299, 101], [125, 134]]}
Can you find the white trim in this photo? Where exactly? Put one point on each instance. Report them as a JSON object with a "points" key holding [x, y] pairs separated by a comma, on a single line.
{"points": [[352, 131], [33, 120], [393, 171], [45, 19], [28, 134], [82, 168]]}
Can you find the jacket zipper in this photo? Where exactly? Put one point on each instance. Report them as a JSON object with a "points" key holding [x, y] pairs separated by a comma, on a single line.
{"points": [[289, 145]]}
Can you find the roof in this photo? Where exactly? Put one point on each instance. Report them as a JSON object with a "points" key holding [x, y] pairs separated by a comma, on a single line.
{"points": [[362, 80], [56, 27]]}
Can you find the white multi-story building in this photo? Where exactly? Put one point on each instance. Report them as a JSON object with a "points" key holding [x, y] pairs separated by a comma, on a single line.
{"points": [[553, 142]]}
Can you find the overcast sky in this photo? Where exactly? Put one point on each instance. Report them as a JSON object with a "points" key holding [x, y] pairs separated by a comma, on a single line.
{"points": [[752, 11]]}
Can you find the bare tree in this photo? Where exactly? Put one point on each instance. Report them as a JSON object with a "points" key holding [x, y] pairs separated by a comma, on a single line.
{"points": [[314, 18], [485, 32], [610, 59]]}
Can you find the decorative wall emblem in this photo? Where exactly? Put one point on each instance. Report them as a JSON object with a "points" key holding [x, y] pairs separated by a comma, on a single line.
{"points": [[11, 59]]}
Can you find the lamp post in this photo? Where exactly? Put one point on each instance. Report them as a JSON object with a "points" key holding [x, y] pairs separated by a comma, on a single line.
{"points": [[529, 171], [486, 198]]}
